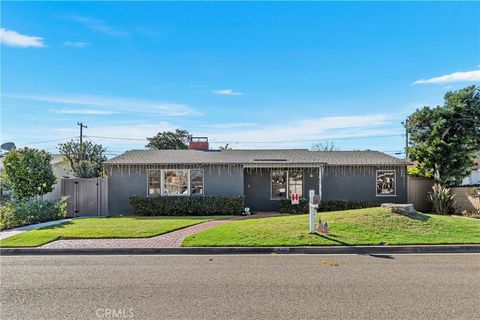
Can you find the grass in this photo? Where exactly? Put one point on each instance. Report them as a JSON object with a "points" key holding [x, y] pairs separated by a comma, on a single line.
{"points": [[110, 227], [372, 226]]}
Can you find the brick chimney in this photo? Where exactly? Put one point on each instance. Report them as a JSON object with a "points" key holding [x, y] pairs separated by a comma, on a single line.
{"points": [[198, 143]]}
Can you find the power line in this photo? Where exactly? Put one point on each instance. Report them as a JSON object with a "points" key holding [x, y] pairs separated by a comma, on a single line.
{"points": [[45, 141], [277, 141]]}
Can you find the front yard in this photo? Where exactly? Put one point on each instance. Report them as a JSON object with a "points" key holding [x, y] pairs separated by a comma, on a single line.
{"points": [[111, 227], [372, 226]]}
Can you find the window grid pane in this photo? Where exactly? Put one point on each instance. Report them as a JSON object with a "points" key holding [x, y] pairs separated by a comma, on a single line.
{"points": [[279, 184], [153, 182], [196, 182], [295, 183], [175, 182], [385, 183]]}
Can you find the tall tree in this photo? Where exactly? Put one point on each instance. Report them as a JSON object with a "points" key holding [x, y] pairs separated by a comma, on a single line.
{"points": [[88, 165], [169, 140], [29, 172], [445, 139], [324, 146]]}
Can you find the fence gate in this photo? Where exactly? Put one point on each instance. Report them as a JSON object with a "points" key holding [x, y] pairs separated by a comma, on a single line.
{"points": [[86, 197], [418, 189]]}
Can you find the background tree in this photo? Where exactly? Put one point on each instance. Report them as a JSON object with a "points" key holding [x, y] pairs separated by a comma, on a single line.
{"points": [[168, 140], [444, 140], [324, 146], [29, 172], [86, 160]]}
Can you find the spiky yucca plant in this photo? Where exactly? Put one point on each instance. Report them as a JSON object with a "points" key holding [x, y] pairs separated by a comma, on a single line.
{"points": [[441, 199]]}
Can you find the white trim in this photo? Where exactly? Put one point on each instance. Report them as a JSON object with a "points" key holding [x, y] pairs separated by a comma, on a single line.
{"points": [[287, 184], [394, 183], [320, 174], [271, 187], [162, 178]]}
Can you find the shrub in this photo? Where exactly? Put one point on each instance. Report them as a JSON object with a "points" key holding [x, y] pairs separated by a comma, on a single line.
{"points": [[339, 205], [441, 199], [285, 206], [187, 205], [24, 212], [29, 172]]}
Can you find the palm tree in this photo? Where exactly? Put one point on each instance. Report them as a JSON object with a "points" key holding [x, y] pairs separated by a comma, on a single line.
{"points": [[225, 147]]}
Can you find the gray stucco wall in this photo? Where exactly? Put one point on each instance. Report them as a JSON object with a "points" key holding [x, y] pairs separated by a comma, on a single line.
{"points": [[258, 189], [359, 183], [124, 183]]}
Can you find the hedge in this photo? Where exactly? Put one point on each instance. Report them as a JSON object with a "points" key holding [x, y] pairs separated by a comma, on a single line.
{"points": [[339, 205], [285, 206], [24, 212], [187, 205]]}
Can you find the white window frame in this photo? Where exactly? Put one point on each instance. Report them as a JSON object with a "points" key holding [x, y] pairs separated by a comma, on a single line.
{"points": [[148, 183], [162, 177], [287, 184], [303, 183], [394, 183]]}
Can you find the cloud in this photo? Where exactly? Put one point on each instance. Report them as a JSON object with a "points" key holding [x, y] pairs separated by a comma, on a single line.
{"points": [[76, 44], [100, 26], [305, 131], [15, 39], [83, 111], [115, 104], [227, 92], [230, 125], [465, 76]]}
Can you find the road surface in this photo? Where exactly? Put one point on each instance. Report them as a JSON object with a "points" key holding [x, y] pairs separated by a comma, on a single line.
{"points": [[241, 287]]}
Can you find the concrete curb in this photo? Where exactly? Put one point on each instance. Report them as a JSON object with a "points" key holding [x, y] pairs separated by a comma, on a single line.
{"points": [[247, 250]]}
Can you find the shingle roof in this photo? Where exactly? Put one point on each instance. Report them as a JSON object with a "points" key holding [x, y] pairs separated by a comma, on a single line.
{"points": [[274, 156]]}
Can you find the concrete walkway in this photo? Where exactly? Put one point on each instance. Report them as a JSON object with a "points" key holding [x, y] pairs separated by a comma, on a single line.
{"points": [[172, 239], [15, 231]]}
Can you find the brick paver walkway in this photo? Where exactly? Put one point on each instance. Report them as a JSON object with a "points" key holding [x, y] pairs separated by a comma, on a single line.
{"points": [[167, 240]]}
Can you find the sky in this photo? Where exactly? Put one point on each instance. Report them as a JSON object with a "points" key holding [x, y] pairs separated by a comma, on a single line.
{"points": [[254, 75]]}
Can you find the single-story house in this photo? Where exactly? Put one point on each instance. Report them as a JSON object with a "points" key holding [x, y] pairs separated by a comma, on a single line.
{"points": [[262, 176]]}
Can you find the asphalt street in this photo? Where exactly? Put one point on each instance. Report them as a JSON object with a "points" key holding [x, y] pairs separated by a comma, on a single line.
{"points": [[241, 287]]}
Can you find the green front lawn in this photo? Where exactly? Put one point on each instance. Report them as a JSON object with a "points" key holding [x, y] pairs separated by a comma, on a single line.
{"points": [[372, 226], [111, 227]]}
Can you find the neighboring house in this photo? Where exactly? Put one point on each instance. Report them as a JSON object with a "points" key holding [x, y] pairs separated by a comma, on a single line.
{"points": [[262, 176], [474, 177], [61, 168]]}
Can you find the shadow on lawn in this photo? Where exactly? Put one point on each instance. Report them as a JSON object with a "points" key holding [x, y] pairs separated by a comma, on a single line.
{"points": [[418, 216], [331, 238]]}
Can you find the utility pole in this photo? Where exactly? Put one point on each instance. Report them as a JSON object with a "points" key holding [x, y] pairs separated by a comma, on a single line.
{"points": [[406, 139], [81, 138]]}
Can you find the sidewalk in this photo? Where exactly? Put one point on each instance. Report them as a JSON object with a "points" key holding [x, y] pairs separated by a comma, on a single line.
{"points": [[15, 231]]}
